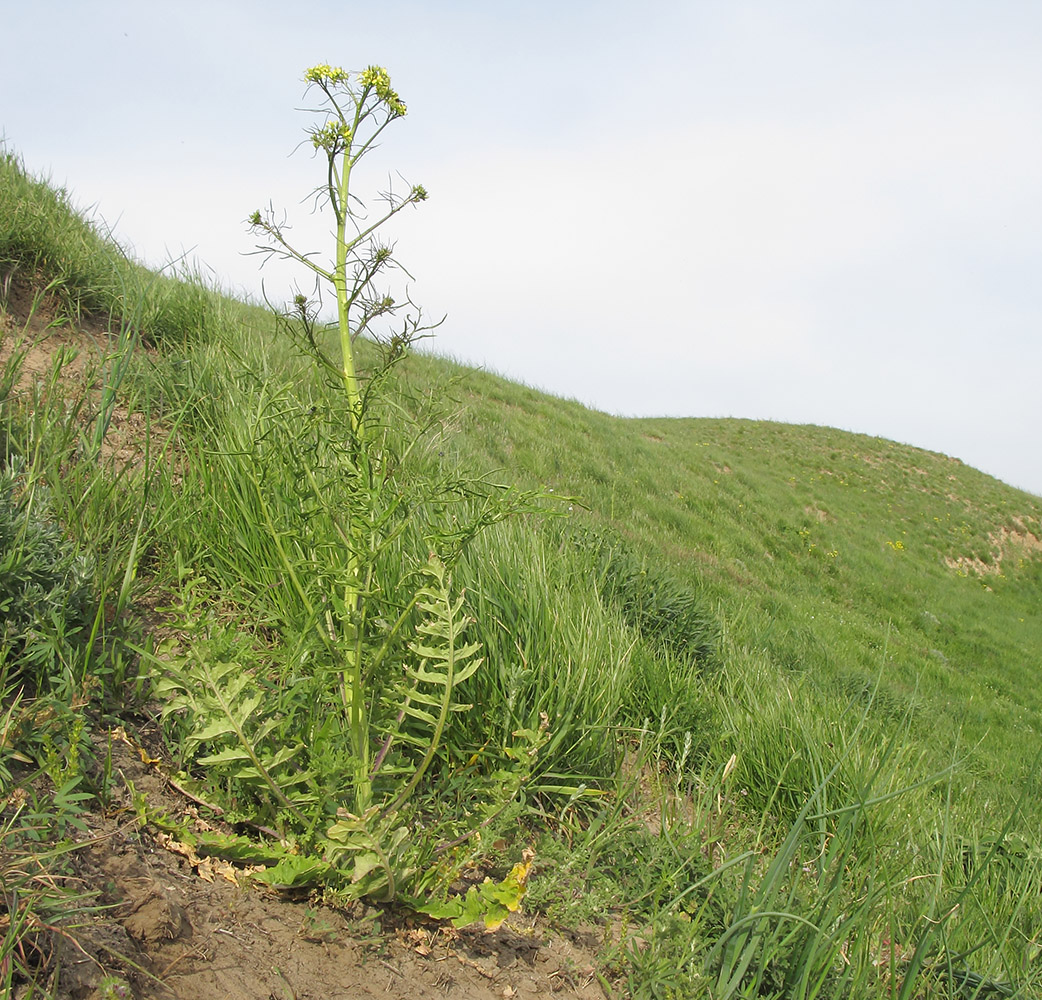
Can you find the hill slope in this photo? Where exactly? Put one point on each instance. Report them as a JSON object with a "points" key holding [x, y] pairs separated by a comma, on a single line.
{"points": [[850, 558]]}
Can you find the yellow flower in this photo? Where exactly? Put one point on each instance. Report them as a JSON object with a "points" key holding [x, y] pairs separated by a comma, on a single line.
{"points": [[326, 74], [332, 137], [379, 80], [375, 76]]}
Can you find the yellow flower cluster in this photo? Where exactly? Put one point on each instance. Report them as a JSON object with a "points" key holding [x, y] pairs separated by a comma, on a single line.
{"points": [[378, 78], [332, 137], [374, 78], [326, 74]]}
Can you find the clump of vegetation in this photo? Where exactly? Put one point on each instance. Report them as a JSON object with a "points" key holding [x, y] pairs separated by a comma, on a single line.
{"points": [[663, 610], [45, 585]]}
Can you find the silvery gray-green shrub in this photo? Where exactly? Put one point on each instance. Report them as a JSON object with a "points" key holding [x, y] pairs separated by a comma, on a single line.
{"points": [[45, 584]]}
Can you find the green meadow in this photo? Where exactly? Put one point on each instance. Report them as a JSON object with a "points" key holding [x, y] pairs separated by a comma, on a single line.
{"points": [[760, 702]]}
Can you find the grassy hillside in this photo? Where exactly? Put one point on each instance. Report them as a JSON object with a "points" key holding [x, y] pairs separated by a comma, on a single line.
{"points": [[849, 560], [779, 681]]}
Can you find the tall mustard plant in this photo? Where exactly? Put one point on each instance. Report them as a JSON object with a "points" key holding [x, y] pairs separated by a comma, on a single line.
{"points": [[329, 501], [356, 108]]}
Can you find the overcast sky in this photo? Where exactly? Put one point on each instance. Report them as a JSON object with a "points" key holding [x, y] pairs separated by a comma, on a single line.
{"points": [[813, 211]]}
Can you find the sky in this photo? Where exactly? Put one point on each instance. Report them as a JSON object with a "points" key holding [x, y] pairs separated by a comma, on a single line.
{"points": [[810, 211]]}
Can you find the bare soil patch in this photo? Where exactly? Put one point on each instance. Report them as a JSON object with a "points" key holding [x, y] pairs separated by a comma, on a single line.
{"points": [[1017, 543], [35, 325], [55, 352]]}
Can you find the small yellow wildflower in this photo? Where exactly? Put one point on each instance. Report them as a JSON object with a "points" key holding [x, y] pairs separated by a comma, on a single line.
{"points": [[325, 74], [333, 136], [375, 76], [378, 79]]}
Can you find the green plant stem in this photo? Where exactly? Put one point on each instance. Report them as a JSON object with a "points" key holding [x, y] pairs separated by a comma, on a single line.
{"points": [[350, 374], [358, 722], [358, 715]]}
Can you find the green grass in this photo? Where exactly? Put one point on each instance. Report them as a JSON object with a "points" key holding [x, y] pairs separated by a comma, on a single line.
{"points": [[785, 675], [47, 242], [818, 547]]}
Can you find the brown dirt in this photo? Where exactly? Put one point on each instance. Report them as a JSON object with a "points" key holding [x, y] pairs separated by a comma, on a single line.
{"points": [[72, 354], [167, 928], [162, 925], [36, 324]]}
